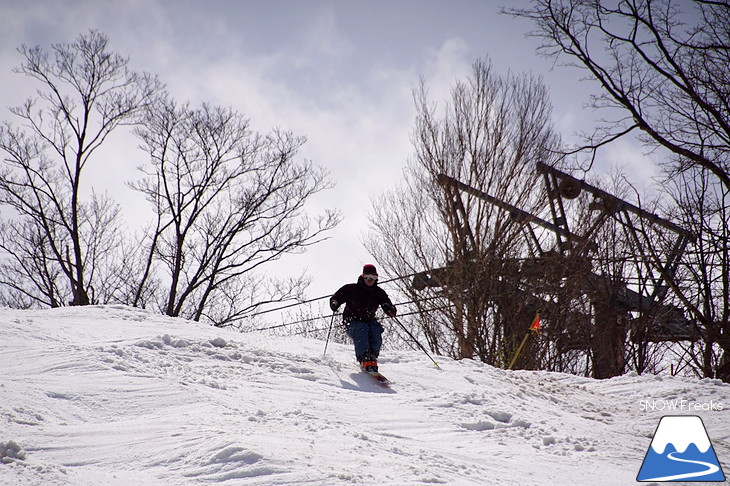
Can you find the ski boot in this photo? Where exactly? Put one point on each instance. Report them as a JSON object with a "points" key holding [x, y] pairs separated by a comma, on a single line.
{"points": [[369, 363]]}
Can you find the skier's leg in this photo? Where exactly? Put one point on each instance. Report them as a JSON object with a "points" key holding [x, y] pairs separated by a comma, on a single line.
{"points": [[375, 338], [373, 341], [358, 331]]}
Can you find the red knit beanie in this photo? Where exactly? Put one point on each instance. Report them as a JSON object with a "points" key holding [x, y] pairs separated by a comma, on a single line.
{"points": [[369, 270]]}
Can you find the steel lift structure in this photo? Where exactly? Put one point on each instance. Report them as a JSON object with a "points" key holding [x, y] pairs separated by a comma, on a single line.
{"points": [[561, 269]]}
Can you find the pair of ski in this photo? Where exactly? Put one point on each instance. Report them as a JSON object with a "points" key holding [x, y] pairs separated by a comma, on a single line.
{"points": [[378, 377]]}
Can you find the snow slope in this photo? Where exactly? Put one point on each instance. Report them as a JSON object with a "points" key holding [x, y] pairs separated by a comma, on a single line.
{"points": [[121, 396]]}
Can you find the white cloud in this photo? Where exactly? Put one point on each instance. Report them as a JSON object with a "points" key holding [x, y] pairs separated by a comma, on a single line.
{"points": [[314, 69]]}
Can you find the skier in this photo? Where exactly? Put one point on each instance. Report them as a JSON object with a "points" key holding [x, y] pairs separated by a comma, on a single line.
{"points": [[361, 300]]}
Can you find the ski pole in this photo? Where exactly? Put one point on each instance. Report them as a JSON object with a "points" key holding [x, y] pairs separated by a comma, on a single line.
{"points": [[416, 341], [332, 320]]}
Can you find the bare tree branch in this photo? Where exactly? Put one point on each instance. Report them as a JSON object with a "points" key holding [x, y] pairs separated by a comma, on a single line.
{"points": [[228, 201], [86, 93]]}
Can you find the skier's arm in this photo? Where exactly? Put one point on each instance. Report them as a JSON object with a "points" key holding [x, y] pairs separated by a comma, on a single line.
{"points": [[338, 298], [334, 304], [388, 306]]}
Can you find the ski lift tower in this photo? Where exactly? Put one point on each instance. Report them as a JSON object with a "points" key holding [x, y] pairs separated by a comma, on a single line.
{"points": [[636, 309]]}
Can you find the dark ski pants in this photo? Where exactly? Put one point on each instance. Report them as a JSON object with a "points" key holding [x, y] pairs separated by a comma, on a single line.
{"points": [[367, 337]]}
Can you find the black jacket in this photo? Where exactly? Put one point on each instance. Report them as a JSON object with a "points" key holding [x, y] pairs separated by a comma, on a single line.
{"points": [[361, 301]]}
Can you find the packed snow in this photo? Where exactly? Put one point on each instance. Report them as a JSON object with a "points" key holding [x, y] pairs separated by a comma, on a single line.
{"points": [[121, 396]]}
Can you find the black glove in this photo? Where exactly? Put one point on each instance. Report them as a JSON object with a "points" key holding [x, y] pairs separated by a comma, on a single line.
{"points": [[334, 305], [389, 309]]}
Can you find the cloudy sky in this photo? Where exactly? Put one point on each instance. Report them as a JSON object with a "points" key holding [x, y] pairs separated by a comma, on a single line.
{"points": [[339, 72]]}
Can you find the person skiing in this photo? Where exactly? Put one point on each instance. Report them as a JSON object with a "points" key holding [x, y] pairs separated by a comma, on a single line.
{"points": [[361, 301]]}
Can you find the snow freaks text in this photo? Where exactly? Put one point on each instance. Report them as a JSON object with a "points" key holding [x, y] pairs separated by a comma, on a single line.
{"points": [[679, 405]]}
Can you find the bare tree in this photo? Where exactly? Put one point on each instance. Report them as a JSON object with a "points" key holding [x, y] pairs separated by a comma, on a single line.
{"points": [[56, 238], [227, 201], [132, 280], [27, 273], [703, 205], [488, 137], [662, 67]]}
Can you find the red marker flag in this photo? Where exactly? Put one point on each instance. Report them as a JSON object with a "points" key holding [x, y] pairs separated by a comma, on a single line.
{"points": [[536, 323]]}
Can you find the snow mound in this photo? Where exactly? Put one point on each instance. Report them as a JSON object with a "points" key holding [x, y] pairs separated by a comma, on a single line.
{"points": [[10, 452], [118, 396]]}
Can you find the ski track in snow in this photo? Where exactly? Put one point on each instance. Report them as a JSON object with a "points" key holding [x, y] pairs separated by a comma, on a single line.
{"points": [[120, 396]]}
